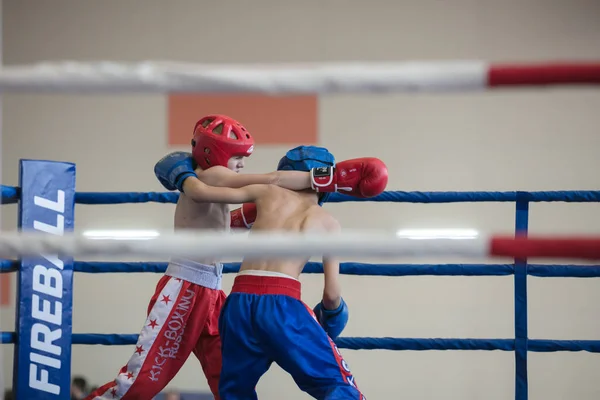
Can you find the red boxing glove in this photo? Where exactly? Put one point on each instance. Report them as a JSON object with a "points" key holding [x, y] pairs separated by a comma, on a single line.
{"points": [[244, 216], [360, 177]]}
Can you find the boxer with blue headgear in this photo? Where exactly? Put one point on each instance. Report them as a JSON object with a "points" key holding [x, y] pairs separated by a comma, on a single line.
{"points": [[264, 319], [308, 159]]}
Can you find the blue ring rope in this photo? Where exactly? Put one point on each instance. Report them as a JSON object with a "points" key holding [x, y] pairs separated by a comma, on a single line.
{"points": [[11, 194], [372, 343], [391, 196], [350, 268]]}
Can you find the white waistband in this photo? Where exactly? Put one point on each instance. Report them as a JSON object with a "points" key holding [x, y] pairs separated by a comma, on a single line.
{"points": [[257, 272], [209, 276], [186, 262]]}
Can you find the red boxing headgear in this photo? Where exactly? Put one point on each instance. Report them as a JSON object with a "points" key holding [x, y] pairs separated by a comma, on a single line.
{"points": [[217, 138]]}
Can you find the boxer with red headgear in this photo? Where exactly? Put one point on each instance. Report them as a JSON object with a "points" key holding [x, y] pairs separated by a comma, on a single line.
{"points": [[183, 313], [219, 140]]}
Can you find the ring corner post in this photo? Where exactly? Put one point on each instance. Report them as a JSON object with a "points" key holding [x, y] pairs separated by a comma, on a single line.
{"points": [[520, 282], [42, 356]]}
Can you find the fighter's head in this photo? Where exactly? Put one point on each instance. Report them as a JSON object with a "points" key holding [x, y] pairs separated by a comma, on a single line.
{"points": [[221, 140], [305, 158]]}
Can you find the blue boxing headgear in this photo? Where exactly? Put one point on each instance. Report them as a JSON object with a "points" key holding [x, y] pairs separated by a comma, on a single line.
{"points": [[305, 158]]}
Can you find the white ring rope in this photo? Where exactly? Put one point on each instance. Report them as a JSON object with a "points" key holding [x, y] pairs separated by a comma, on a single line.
{"points": [[222, 245], [178, 77], [323, 78]]}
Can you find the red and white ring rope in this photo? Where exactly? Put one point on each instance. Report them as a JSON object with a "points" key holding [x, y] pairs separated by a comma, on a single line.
{"points": [[322, 78], [282, 244]]}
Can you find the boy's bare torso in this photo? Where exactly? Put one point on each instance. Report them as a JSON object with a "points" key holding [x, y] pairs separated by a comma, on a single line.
{"points": [[285, 210], [191, 215]]}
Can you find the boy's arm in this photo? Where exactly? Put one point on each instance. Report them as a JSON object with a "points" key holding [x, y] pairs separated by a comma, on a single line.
{"points": [[332, 291], [203, 193], [332, 311], [224, 177], [176, 171], [361, 177]]}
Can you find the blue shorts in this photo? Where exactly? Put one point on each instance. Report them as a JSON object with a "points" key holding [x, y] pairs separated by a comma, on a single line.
{"points": [[264, 321]]}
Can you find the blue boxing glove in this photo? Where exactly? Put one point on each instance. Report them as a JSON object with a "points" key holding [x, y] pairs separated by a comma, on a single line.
{"points": [[332, 321], [173, 169]]}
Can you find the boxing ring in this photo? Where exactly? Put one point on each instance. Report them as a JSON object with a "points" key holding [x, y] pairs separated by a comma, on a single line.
{"points": [[46, 198], [61, 176]]}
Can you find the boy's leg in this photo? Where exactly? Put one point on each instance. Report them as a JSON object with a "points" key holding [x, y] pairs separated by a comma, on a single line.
{"points": [[301, 347], [169, 335], [244, 361], [208, 348]]}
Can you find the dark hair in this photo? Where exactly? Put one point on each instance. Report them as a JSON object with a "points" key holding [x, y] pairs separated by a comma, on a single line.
{"points": [[80, 382]]}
